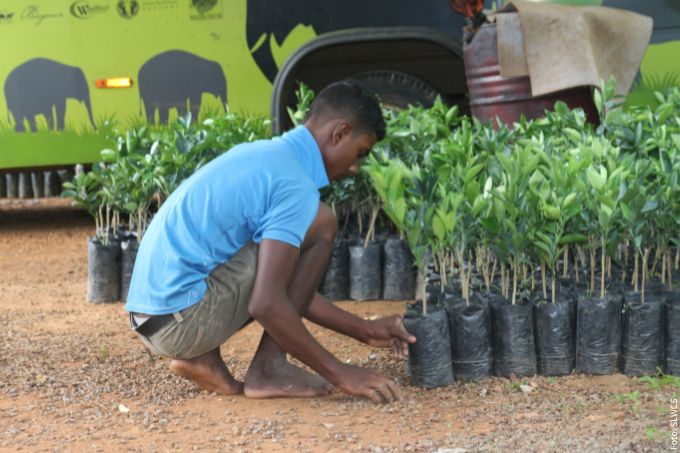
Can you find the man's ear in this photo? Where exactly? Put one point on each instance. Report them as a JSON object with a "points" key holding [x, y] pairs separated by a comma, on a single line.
{"points": [[341, 129]]}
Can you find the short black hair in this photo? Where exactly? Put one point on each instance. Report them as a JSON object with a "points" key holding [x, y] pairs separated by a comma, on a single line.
{"points": [[349, 100]]}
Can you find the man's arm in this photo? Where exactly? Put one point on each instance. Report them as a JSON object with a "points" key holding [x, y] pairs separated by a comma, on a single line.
{"points": [[330, 316], [382, 332], [269, 305]]}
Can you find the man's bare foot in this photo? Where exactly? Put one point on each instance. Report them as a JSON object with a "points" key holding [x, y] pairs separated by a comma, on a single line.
{"points": [[209, 372], [281, 379]]}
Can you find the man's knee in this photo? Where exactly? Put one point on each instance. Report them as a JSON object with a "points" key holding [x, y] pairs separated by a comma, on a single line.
{"points": [[325, 226]]}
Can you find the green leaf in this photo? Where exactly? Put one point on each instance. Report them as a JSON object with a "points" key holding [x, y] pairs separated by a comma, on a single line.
{"points": [[625, 211], [569, 200], [596, 179], [561, 108], [108, 155], [472, 172], [597, 98], [438, 228], [573, 134], [551, 212], [650, 205], [573, 238], [543, 247]]}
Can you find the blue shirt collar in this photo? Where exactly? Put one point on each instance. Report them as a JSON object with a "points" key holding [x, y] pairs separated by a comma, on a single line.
{"points": [[308, 154]]}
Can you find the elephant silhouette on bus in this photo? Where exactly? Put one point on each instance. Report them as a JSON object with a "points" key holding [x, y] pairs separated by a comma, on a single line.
{"points": [[170, 79], [41, 87]]}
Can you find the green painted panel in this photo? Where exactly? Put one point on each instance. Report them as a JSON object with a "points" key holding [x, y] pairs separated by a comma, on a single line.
{"points": [[49, 148], [111, 38]]}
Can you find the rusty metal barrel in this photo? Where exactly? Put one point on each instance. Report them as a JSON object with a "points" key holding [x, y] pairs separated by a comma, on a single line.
{"points": [[508, 98]]}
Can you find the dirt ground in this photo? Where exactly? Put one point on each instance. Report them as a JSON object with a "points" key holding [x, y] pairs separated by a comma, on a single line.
{"points": [[73, 378]]}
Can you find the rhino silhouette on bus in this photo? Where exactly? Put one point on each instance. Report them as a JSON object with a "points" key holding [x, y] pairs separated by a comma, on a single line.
{"points": [[277, 19], [266, 19]]}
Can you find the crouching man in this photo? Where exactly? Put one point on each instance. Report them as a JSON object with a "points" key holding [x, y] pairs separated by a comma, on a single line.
{"points": [[246, 237]]}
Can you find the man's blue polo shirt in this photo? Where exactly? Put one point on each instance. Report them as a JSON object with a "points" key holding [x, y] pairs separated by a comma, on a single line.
{"points": [[267, 189]]}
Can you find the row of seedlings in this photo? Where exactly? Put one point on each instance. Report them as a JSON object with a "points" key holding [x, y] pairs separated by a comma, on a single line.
{"points": [[556, 244], [132, 180]]}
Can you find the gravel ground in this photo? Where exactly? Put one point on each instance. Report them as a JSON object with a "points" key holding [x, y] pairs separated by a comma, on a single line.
{"points": [[73, 377]]}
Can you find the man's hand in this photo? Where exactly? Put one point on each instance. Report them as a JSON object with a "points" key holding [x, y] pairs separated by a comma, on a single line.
{"points": [[389, 332], [367, 383]]}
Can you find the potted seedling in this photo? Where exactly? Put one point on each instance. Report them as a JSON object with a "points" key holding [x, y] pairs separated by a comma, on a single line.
{"points": [[599, 310], [642, 316], [405, 194], [413, 136], [103, 253], [672, 333], [555, 194], [365, 254], [513, 334], [466, 196]]}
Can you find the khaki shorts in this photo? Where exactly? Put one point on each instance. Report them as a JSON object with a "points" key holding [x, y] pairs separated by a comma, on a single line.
{"points": [[222, 311]]}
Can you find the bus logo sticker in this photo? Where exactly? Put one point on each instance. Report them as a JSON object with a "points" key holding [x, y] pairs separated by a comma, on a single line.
{"points": [[33, 13], [6, 17], [205, 9], [128, 8], [150, 5], [85, 10]]}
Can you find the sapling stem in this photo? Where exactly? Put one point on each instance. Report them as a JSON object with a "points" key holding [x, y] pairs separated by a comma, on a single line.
{"points": [[375, 210], [451, 265], [140, 220], [655, 262], [677, 259], [484, 266], [624, 267], [108, 223], [423, 287], [493, 272], [441, 257], [592, 264], [514, 282], [468, 276], [634, 280], [645, 257], [576, 276], [565, 265], [545, 294], [603, 264], [360, 222], [663, 270], [462, 273], [670, 271], [609, 267], [581, 256], [553, 288]]}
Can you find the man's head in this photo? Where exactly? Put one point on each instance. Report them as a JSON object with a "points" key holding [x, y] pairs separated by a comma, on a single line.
{"points": [[346, 121]]}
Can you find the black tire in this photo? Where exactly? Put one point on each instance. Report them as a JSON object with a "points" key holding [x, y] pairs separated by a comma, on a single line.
{"points": [[398, 90]]}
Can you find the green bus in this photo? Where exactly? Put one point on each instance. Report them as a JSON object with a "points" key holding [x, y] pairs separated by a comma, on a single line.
{"points": [[72, 68]]}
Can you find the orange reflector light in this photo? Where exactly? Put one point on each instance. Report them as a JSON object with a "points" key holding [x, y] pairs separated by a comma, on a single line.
{"points": [[114, 82]]}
